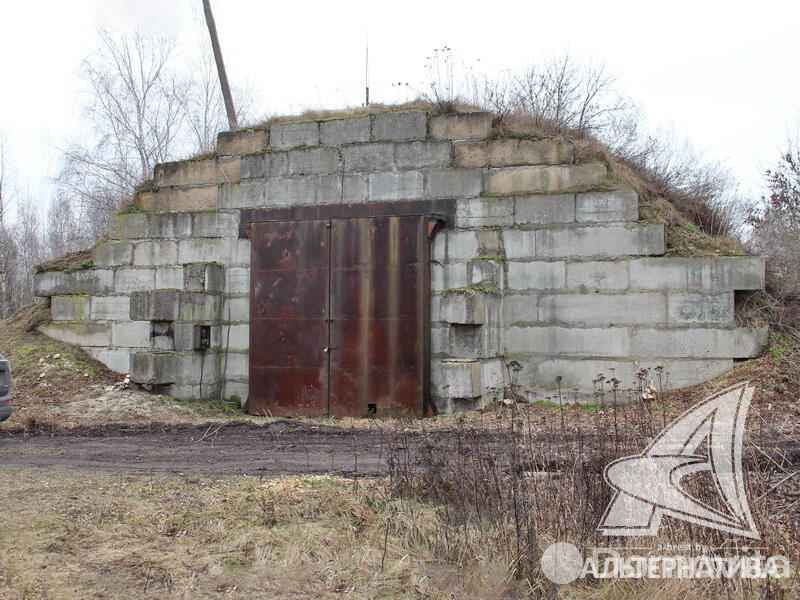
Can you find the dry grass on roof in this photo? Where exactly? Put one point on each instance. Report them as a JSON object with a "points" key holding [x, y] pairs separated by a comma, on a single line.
{"points": [[363, 111], [74, 261]]}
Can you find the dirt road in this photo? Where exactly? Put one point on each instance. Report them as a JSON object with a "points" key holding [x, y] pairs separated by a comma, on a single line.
{"points": [[228, 448], [292, 447]]}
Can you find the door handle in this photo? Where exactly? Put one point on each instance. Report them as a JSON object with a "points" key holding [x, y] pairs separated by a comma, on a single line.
{"points": [[328, 348]]}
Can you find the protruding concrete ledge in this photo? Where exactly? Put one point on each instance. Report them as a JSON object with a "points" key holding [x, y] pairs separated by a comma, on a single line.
{"points": [[59, 283], [461, 378]]}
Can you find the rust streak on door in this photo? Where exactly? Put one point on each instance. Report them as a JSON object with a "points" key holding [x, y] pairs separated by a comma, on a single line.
{"points": [[378, 270]]}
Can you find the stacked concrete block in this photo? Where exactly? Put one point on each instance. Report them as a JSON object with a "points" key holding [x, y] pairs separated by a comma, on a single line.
{"points": [[544, 262]]}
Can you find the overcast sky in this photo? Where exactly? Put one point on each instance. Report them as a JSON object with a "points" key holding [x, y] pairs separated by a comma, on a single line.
{"points": [[723, 73]]}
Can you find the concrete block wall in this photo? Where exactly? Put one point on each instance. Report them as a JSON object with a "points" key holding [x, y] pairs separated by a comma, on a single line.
{"points": [[159, 276], [545, 261]]}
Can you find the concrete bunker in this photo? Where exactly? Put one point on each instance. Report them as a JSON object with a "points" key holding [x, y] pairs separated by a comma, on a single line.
{"points": [[267, 271]]}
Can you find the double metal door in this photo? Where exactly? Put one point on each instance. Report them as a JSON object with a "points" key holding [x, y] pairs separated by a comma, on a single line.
{"points": [[339, 316]]}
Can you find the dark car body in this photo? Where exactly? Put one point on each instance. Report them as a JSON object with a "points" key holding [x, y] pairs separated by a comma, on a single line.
{"points": [[5, 389]]}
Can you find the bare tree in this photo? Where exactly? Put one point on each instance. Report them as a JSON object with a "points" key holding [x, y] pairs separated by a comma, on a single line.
{"points": [[776, 230], [27, 250], [63, 232], [205, 108], [4, 200], [144, 107], [563, 95], [5, 242], [135, 114], [784, 184]]}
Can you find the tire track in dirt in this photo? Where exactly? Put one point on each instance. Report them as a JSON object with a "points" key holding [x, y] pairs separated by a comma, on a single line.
{"points": [[216, 448], [290, 447]]}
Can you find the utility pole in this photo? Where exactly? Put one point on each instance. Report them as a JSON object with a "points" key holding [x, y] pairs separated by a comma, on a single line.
{"points": [[366, 74], [223, 77]]}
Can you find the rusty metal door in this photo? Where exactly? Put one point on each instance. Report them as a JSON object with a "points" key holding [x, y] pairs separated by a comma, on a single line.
{"points": [[339, 316], [288, 317], [378, 307]]}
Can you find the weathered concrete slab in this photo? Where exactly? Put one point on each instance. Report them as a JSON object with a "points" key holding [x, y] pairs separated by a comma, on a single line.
{"points": [[485, 271], [199, 172], [536, 275], [344, 131], [112, 254], [520, 180], [712, 274], [110, 308], [267, 164], [242, 141], [509, 152], [158, 305], [603, 275], [407, 185], [741, 342], [603, 309], [131, 334], [116, 359], [519, 244], [169, 225], [569, 341], [580, 373], [313, 161], [485, 212], [127, 280], [215, 224], [453, 183], [400, 126], [465, 126], [153, 367], [156, 253], [169, 278], [419, 155], [129, 226], [80, 334], [368, 157], [461, 378], [448, 276], [59, 283], [70, 308], [611, 240], [603, 207], [293, 135], [700, 308], [520, 309], [463, 307], [460, 245], [177, 199], [544, 209]]}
